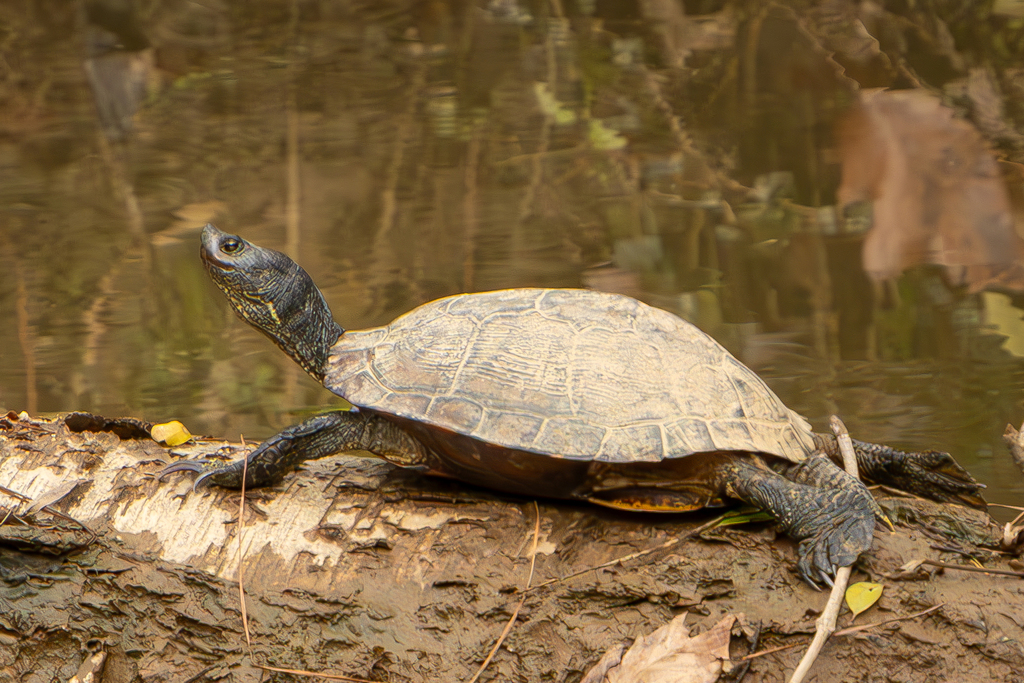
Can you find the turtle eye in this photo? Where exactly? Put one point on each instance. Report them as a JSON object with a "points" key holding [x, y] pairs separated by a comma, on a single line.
{"points": [[231, 245]]}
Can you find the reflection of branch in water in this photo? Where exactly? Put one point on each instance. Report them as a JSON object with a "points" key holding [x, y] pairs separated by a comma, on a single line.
{"points": [[294, 190], [112, 156], [294, 187], [27, 341], [526, 205], [403, 132], [106, 292], [124, 189], [118, 81], [118, 62], [469, 210], [383, 270]]}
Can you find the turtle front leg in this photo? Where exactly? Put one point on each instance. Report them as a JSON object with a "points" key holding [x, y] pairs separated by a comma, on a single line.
{"points": [[928, 474], [831, 513], [317, 437]]}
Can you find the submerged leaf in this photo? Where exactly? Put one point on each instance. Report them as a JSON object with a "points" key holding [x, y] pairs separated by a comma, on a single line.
{"points": [[171, 433], [862, 595]]}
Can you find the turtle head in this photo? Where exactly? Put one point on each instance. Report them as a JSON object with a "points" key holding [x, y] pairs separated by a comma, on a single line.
{"points": [[273, 294]]}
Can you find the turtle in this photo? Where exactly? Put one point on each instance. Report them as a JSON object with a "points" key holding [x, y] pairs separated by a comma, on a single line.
{"points": [[561, 393]]}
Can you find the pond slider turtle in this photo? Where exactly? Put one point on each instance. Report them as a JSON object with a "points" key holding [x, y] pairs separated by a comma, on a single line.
{"points": [[561, 393]]}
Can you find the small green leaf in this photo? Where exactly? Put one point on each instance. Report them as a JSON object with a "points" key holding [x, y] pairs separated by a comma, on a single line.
{"points": [[862, 595], [744, 516]]}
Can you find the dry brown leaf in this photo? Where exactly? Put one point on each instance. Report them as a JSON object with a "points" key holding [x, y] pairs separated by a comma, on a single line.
{"points": [[669, 655], [911, 566], [938, 193], [610, 660]]}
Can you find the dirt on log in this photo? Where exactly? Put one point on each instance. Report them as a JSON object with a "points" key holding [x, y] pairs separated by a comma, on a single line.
{"points": [[354, 567]]}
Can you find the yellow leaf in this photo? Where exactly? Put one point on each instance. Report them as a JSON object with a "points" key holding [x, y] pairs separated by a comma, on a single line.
{"points": [[862, 595], [171, 433]]}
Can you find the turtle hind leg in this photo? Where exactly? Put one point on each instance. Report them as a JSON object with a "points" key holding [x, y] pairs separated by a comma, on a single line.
{"points": [[317, 437], [928, 474], [828, 511]]}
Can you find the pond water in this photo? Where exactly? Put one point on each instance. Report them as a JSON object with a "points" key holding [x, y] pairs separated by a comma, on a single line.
{"points": [[706, 163]]}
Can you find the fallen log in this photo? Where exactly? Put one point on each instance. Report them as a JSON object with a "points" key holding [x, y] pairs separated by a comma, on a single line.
{"points": [[354, 567]]}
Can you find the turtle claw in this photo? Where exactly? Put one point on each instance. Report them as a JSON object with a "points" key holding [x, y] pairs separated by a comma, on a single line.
{"points": [[206, 468], [201, 478], [940, 477], [839, 543], [197, 465], [822, 555]]}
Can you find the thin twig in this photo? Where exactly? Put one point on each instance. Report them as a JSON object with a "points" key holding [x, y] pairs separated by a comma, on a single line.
{"points": [[769, 651], [826, 623], [241, 519], [844, 632], [515, 612], [313, 674], [1008, 507], [977, 570], [863, 627], [632, 556]]}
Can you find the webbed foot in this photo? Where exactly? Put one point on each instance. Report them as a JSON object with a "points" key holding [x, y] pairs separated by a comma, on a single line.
{"points": [[815, 502], [833, 536], [837, 522], [929, 474]]}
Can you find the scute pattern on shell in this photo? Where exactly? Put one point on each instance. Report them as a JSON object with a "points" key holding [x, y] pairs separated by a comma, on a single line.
{"points": [[572, 373]]}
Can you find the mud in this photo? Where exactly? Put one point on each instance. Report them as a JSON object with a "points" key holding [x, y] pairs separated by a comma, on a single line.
{"points": [[352, 567]]}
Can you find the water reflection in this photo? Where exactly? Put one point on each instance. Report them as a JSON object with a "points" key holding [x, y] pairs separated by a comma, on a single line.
{"points": [[406, 152]]}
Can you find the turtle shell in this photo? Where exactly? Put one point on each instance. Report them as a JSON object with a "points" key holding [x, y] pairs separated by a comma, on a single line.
{"points": [[569, 373]]}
